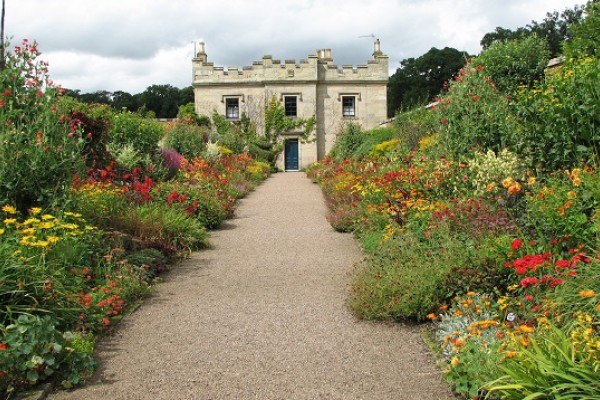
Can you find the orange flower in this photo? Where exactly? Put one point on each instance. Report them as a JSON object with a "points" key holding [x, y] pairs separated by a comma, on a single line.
{"points": [[587, 293], [526, 329], [432, 316]]}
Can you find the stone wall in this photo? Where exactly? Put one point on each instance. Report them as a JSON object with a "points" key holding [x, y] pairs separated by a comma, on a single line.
{"points": [[317, 82]]}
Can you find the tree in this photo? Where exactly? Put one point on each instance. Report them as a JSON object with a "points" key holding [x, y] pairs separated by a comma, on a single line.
{"points": [[122, 100], [555, 29], [163, 100], [421, 79], [586, 35]]}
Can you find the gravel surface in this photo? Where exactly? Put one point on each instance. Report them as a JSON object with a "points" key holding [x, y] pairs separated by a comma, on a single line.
{"points": [[262, 315]]}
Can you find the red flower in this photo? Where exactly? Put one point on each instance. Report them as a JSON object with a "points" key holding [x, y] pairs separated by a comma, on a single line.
{"points": [[6, 93], [516, 244], [562, 264], [529, 281], [2, 346]]}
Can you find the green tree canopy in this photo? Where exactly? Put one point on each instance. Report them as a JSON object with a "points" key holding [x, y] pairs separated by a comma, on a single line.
{"points": [[421, 79], [555, 29]]}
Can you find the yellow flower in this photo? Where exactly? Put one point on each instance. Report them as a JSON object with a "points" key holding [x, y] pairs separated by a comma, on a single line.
{"points": [[47, 217], [10, 221], [571, 194], [454, 361], [27, 232], [46, 225], [9, 209], [587, 293], [531, 181], [71, 214], [25, 240], [30, 221], [1, 232], [52, 239], [35, 211]]}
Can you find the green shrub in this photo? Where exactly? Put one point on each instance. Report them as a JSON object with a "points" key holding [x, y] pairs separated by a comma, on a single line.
{"points": [[187, 139], [134, 129], [560, 117], [515, 63], [404, 277], [475, 115], [565, 207], [585, 35], [162, 226], [347, 142], [33, 351], [373, 138], [41, 148]]}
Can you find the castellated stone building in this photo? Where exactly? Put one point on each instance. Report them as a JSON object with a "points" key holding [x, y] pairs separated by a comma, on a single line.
{"points": [[315, 86]]}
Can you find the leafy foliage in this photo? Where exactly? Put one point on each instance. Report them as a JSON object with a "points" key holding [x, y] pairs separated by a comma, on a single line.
{"points": [[421, 79], [515, 63], [41, 147]]}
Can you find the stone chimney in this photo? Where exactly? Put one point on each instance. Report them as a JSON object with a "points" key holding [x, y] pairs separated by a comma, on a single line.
{"points": [[377, 49], [201, 54]]}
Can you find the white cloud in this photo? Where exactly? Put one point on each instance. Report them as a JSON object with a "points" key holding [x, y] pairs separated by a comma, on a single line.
{"points": [[132, 44]]}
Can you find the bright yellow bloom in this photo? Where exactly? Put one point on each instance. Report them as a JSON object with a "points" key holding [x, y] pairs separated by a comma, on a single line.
{"points": [[47, 217], [1, 232], [30, 221], [10, 221], [455, 361], [27, 232], [52, 239], [71, 214], [587, 293], [69, 226], [571, 194], [46, 225], [531, 181], [9, 209], [35, 211], [25, 240]]}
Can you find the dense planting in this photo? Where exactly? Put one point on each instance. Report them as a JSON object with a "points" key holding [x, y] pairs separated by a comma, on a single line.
{"points": [[92, 208], [482, 214]]}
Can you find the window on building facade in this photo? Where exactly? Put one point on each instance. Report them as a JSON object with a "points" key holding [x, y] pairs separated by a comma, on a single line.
{"points": [[291, 106], [232, 108], [348, 106]]}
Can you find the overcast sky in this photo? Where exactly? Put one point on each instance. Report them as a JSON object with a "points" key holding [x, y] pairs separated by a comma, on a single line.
{"points": [[132, 44]]}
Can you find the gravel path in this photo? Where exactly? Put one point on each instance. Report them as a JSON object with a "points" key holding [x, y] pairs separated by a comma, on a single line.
{"points": [[262, 316]]}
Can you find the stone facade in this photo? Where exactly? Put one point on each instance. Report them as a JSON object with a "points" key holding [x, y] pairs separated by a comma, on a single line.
{"points": [[314, 86]]}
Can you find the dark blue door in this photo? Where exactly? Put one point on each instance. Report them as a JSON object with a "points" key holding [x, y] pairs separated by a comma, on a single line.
{"points": [[291, 155]]}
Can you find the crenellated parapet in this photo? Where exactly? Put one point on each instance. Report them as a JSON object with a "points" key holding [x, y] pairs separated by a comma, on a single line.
{"points": [[316, 68]]}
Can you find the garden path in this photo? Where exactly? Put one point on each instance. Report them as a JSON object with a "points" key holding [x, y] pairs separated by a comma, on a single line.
{"points": [[261, 315]]}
